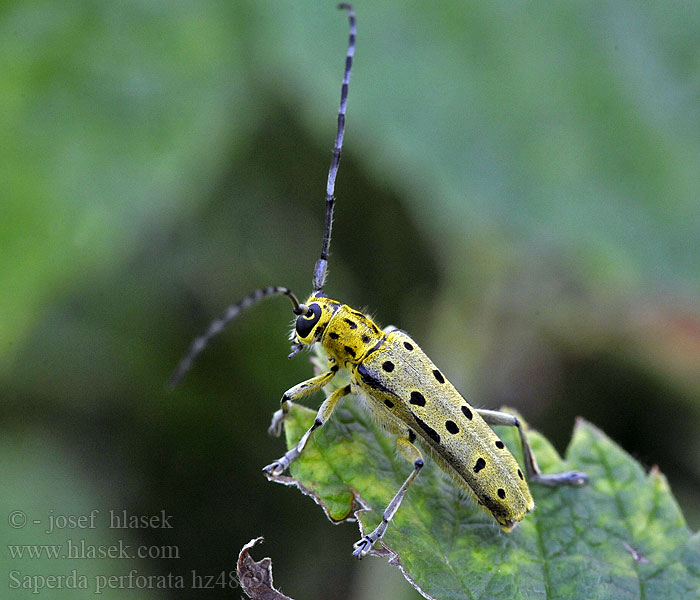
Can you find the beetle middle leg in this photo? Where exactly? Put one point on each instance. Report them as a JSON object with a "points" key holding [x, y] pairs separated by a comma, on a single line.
{"points": [[412, 454]]}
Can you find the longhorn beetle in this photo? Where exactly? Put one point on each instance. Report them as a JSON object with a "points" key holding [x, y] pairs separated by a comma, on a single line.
{"points": [[398, 383]]}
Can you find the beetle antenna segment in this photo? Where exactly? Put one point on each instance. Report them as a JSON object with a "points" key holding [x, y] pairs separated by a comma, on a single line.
{"points": [[216, 326], [321, 268]]}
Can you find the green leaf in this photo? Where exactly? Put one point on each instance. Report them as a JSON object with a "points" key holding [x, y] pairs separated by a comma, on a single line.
{"points": [[621, 536]]}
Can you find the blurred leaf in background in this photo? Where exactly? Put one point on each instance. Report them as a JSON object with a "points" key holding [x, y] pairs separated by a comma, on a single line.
{"points": [[518, 191]]}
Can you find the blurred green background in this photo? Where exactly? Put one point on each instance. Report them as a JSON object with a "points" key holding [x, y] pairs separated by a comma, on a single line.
{"points": [[518, 190]]}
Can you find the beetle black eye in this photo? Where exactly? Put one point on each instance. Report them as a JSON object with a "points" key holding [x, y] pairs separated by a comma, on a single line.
{"points": [[306, 322]]}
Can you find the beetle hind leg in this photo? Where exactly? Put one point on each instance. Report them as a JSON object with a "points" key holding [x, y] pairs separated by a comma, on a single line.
{"points": [[534, 473]]}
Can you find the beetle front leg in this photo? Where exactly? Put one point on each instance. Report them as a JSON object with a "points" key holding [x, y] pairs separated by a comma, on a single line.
{"points": [[324, 412], [294, 393]]}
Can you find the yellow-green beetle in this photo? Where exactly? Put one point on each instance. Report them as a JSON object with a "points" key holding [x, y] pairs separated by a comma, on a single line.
{"points": [[399, 384]]}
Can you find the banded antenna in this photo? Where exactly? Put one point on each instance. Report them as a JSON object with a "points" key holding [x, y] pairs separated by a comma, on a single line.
{"points": [[321, 268], [217, 325]]}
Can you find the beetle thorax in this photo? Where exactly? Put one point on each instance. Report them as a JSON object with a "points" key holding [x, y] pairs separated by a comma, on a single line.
{"points": [[350, 336]]}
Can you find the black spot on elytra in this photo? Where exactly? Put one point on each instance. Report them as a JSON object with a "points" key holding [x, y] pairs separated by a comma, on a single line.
{"points": [[520, 474], [417, 398], [432, 434], [499, 444], [407, 346], [451, 426], [350, 351], [466, 412], [480, 464], [438, 376], [351, 324], [388, 366], [333, 335], [389, 403], [501, 493]]}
